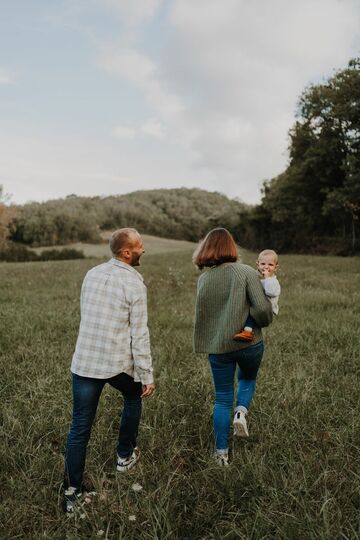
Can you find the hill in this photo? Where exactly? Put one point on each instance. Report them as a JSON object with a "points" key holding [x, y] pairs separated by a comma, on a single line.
{"points": [[153, 246], [183, 214]]}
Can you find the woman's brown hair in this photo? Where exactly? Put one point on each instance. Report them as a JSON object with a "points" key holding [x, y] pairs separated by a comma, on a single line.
{"points": [[217, 247]]}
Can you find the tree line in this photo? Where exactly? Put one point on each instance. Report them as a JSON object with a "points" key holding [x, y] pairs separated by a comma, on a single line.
{"points": [[313, 206], [173, 213]]}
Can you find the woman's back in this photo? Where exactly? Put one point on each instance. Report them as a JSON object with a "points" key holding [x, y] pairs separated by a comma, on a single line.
{"points": [[225, 295]]}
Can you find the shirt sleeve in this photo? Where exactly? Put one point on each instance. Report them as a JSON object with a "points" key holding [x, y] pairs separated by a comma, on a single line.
{"points": [[82, 296], [271, 286], [140, 339], [260, 306]]}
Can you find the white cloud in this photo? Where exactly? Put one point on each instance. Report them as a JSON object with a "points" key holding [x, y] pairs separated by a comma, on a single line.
{"points": [[128, 63], [228, 80], [138, 69], [37, 167], [133, 12], [141, 71], [124, 132], [41, 169], [151, 128], [216, 85], [243, 66], [6, 77]]}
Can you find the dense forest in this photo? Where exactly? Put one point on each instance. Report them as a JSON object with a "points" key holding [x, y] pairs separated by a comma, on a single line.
{"points": [[313, 206]]}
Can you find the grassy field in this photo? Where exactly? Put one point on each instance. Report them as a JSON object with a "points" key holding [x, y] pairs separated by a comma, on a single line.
{"points": [[153, 246], [296, 477]]}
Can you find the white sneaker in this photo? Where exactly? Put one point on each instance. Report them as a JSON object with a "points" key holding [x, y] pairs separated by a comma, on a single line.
{"points": [[72, 496], [221, 459], [124, 464], [240, 426]]}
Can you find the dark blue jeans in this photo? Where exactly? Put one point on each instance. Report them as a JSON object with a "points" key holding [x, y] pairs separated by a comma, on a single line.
{"points": [[223, 368], [86, 394]]}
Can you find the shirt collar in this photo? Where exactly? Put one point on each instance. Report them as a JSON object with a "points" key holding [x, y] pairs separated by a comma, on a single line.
{"points": [[125, 266]]}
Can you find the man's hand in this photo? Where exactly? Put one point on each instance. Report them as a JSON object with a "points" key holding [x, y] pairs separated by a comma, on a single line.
{"points": [[148, 390]]}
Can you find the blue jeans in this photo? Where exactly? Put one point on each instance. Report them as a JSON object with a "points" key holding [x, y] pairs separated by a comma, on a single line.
{"points": [[223, 368], [86, 394]]}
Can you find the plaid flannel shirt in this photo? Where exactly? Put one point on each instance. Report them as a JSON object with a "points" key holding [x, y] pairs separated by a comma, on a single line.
{"points": [[113, 335]]}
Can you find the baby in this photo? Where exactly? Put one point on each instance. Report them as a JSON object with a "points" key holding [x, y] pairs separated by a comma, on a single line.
{"points": [[267, 264]]}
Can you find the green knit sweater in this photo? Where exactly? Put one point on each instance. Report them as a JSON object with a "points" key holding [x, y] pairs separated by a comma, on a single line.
{"points": [[225, 296]]}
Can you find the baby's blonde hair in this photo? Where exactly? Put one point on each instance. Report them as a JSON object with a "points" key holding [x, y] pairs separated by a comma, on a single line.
{"points": [[269, 252]]}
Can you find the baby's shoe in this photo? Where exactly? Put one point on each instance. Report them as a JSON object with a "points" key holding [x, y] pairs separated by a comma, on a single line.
{"points": [[244, 335]]}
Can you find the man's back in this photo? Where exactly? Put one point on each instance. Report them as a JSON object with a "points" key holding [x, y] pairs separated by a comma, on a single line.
{"points": [[113, 347], [109, 293]]}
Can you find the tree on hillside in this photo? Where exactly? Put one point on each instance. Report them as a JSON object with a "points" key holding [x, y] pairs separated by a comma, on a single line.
{"points": [[171, 213], [6, 216], [318, 194]]}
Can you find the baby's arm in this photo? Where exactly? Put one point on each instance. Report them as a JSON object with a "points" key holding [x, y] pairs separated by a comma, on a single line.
{"points": [[271, 286]]}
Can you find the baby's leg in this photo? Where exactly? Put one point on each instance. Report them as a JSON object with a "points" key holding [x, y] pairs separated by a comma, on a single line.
{"points": [[247, 333]]}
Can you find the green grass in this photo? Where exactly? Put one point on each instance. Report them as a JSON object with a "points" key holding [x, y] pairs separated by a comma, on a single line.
{"points": [[153, 246], [297, 477]]}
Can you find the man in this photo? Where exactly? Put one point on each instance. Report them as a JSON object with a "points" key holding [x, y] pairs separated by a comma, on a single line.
{"points": [[113, 347]]}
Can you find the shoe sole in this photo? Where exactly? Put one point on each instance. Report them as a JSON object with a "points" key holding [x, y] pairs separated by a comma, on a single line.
{"points": [[239, 430], [131, 465]]}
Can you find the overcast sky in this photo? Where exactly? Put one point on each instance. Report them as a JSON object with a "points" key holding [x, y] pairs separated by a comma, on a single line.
{"points": [[102, 97]]}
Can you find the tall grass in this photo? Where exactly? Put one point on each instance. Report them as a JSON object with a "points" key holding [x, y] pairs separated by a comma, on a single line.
{"points": [[296, 477]]}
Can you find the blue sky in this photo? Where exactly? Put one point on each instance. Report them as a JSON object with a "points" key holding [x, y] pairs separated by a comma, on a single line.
{"points": [[102, 97]]}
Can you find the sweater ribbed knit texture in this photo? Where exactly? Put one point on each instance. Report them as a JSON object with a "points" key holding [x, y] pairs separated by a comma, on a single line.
{"points": [[226, 294]]}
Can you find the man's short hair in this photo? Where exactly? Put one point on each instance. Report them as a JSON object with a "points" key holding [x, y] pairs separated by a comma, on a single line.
{"points": [[121, 239]]}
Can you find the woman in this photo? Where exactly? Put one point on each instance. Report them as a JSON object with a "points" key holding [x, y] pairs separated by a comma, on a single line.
{"points": [[226, 293]]}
